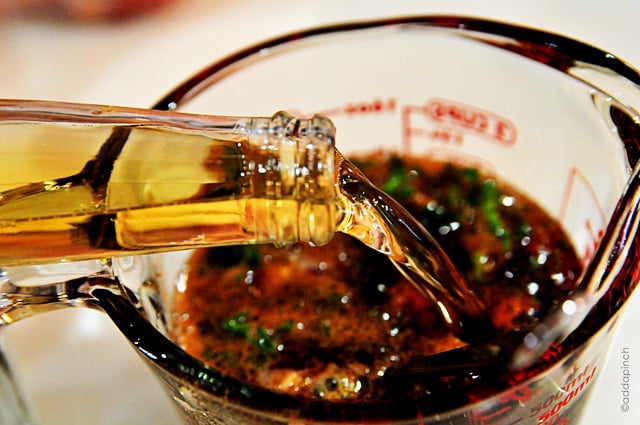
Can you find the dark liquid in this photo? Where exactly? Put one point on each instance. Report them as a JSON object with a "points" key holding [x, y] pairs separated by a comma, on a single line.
{"points": [[354, 316]]}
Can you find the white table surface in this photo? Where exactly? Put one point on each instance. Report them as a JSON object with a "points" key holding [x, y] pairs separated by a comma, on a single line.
{"points": [[74, 365]]}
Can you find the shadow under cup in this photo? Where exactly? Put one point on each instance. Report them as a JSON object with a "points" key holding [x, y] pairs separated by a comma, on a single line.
{"points": [[553, 117]]}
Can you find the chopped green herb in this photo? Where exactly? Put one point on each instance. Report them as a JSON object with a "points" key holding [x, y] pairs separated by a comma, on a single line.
{"points": [[237, 325], [261, 337], [398, 185], [470, 174], [479, 260], [263, 341], [286, 326], [326, 328], [534, 264], [490, 202], [252, 255]]}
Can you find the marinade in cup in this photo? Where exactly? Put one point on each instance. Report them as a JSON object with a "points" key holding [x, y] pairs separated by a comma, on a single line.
{"points": [[331, 322]]}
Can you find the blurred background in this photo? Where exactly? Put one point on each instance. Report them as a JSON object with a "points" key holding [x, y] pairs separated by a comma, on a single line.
{"points": [[74, 366]]}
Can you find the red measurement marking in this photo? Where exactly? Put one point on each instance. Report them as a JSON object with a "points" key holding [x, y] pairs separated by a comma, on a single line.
{"points": [[507, 407], [570, 391], [374, 106], [576, 177], [595, 237], [452, 120], [490, 415]]}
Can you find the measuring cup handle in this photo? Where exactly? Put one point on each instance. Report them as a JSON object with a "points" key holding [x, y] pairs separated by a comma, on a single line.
{"points": [[30, 290]]}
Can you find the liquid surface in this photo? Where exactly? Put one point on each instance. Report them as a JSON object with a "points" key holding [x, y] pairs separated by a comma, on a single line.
{"points": [[331, 322]]}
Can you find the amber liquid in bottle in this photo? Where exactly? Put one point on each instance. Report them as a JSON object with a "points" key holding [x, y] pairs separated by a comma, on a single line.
{"points": [[78, 190]]}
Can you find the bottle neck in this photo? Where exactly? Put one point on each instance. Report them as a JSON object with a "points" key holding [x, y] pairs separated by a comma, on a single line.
{"points": [[290, 165], [290, 158]]}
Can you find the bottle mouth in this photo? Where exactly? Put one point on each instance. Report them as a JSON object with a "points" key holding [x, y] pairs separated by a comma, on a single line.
{"points": [[566, 55], [293, 160]]}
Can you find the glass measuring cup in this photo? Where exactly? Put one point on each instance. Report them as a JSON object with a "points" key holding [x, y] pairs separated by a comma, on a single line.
{"points": [[496, 95], [518, 96]]}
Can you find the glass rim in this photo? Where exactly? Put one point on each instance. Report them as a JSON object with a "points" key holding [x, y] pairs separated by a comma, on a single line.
{"points": [[551, 49]]}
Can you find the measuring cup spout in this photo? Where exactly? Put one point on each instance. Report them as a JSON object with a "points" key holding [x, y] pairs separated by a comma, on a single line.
{"points": [[618, 251]]}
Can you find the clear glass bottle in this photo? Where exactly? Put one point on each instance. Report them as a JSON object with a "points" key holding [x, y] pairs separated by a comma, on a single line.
{"points": [[84, 182]]}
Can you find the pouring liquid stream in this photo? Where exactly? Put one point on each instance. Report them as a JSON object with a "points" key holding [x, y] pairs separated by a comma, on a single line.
{"points": [[381, 223]]}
